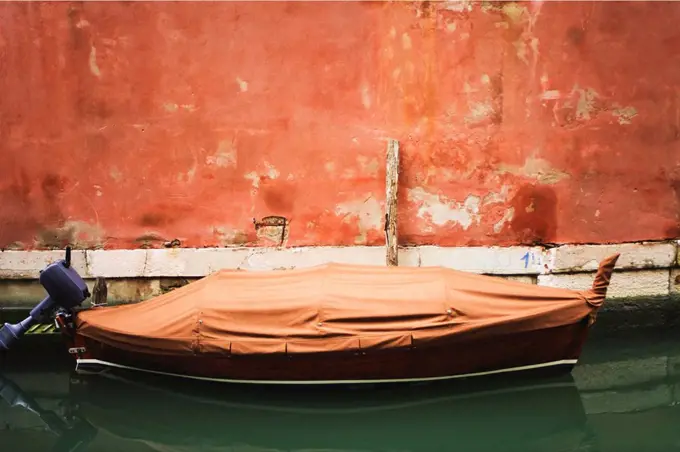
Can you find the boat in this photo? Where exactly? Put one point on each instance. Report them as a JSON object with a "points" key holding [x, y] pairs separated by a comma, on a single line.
{"points": [[330, 324]]}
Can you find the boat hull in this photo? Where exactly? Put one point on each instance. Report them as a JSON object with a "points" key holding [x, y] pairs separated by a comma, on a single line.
{"points": [[552, 350]]}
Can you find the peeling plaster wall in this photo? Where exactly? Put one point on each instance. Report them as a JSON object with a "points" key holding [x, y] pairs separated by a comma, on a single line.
{"points": [[126, 125]]}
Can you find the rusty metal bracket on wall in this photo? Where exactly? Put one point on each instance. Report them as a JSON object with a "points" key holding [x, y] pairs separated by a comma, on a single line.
{"points": [[272, 221]]}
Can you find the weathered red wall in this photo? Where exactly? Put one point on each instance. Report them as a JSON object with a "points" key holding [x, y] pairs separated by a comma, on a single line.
{"points": [[130, 124]]}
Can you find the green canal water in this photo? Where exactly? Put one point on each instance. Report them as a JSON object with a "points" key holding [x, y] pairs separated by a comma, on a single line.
{"points": [[623, 396]]}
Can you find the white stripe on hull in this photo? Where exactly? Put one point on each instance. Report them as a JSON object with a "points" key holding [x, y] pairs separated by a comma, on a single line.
{"points": [[325, 382]]}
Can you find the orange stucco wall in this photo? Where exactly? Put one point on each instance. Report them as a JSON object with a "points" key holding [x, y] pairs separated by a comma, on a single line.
{"points": [[130, 124]]}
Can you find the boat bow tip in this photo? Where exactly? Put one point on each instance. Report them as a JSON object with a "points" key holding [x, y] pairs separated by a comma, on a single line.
{"points": [[604, 275], [598, 292]]}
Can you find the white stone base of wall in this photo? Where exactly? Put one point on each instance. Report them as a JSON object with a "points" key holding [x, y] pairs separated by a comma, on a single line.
{"points": [[643, 270]]}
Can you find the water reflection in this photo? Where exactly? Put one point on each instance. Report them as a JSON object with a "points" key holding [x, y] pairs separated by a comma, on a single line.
{"points": [[163, 415], [618, 399]]}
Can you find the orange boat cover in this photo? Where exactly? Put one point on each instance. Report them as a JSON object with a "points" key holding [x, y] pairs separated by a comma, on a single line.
{"points": [[336, 307]]}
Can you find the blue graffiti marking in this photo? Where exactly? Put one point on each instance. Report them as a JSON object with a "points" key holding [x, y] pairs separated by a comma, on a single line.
{"points": [[525, 258]]}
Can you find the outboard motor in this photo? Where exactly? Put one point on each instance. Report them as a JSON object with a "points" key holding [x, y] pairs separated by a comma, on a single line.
{"points": [[65, 289]]}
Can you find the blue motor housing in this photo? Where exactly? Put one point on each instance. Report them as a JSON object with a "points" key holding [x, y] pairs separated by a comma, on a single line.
{"points": [[65, 289], [63, 284]]}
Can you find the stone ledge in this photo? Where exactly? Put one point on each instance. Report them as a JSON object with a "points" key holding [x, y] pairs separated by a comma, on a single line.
{"points": [[642, 270], [584, 258], [674, 282], [624, 284], [198, 262], [27, 264], [489, 260]]}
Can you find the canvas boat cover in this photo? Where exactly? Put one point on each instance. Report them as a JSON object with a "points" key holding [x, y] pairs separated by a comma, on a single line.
{"points": [[336, 307]]}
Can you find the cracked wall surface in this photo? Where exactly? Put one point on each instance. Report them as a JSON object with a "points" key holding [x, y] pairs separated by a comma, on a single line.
{"points": [[150, 125]]}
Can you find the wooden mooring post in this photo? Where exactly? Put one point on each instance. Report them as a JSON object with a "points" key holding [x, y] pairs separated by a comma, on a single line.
{"points": [[392, 178]]}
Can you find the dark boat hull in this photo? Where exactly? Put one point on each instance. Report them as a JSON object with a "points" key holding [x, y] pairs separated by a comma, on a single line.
{"points": [[554, 350]]}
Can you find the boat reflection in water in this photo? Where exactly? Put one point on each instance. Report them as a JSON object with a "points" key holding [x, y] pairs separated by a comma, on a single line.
{"points": [[166, 415]]}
